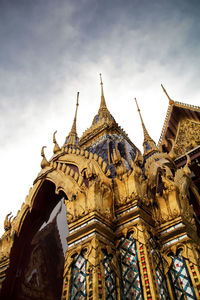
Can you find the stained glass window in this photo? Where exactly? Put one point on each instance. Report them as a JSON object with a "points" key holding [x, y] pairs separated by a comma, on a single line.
{"points": [[180, 278], [160, 275], [110, 279], [78, 278], [131, 280]]}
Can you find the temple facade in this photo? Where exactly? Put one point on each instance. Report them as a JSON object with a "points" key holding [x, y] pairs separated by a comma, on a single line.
{"points": [[105, 221]]}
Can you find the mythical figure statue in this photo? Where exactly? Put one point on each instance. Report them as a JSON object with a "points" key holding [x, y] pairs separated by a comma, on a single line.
{"points": [[182, 182], [140, 182]]}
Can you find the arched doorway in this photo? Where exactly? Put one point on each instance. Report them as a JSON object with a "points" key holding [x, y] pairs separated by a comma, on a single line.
{"points": [[37, 256]]}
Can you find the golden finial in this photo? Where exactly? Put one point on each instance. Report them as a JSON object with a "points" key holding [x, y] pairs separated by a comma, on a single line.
{"points": [[75, 116], [103, 102], [54, 137], [56, 147], [72, 137], [42, 151], [170, 100], [148, 144], [77, 104], [146, 135], [101, 82], [44, 162]]}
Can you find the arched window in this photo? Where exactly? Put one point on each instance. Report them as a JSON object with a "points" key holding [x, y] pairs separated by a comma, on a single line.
{"points": [[160, 275], [180, 279], [78, 288], [110, 278], [130, 271]]}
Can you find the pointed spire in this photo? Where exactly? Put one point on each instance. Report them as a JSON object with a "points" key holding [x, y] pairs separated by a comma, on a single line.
{"points": [[148, 144], [72, 138], [103, 113], [170, 100], [103, 101], [146, 135], [73, 130]]}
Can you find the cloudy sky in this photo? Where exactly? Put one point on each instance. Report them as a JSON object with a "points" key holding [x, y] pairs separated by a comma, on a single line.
{"points": [[50, 49]]}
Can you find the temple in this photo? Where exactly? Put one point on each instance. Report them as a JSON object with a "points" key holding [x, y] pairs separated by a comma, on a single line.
{"points": [[105, 221]]}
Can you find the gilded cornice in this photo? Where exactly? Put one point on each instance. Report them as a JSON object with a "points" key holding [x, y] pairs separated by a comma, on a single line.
{"points": [[75, 156]]}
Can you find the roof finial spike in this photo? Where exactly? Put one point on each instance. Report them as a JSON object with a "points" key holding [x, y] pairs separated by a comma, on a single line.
{"points": [[72, 139], [103, 101], [149, 144], [77, 104], [170, 100], [73, 130], [101, 79], [146, 135]]}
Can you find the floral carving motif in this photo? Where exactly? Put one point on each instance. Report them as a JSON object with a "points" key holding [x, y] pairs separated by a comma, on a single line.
{"points": [[188, 136]]}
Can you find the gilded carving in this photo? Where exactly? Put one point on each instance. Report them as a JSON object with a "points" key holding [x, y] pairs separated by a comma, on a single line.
{"points": [[182, 181], [118, 163], [139, 232], [188, 136], [7, 222], [131, 185], [6, 241], [44, 162], [157, 164], [56, 148], [139, 181]]}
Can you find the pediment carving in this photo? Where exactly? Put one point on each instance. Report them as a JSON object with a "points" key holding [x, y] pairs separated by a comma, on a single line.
{"points": [[188, 136]]}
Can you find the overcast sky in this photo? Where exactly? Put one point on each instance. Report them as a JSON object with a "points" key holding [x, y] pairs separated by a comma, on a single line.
{"points": [[50, 49]]}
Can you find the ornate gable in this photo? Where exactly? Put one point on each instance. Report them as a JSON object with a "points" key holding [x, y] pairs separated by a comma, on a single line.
{"points": [[177, 115]]}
